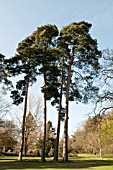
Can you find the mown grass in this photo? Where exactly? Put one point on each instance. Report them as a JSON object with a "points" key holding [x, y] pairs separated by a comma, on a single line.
{"points": [[80, 162]]}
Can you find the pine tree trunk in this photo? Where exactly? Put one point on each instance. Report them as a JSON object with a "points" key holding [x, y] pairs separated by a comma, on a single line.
{"points": [[24, 117], [65, 143], [59, 115], [44, 133], [57, 138]]}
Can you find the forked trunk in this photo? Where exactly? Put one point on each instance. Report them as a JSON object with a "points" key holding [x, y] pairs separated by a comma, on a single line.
{"points": [[65, 143], [59, 116]]}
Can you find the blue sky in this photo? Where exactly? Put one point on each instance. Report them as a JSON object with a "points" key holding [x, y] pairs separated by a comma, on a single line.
{"points": [[19, 18]]}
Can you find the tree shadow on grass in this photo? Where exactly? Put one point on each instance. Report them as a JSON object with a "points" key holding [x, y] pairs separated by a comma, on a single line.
{"points": [[8, 164]]}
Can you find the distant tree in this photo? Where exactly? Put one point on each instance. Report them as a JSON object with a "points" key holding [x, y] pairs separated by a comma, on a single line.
{"points": [[5, 84], [4, 74], [105, 97], [60, 150], [2, 66], [50, 131], [107, 132], [95, 135], [50, 140], [4, 104], [78, 141], [30, 126], [33, 125], [8, 135]]}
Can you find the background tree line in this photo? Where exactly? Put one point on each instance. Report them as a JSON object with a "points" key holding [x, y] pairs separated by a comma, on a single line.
{"points": [[95, 136]]}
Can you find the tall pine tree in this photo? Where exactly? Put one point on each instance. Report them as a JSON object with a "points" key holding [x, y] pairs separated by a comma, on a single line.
{"points": [[81, 55]]}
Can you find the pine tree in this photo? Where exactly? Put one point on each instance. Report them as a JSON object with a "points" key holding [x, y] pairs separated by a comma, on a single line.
{"points": [[81, 55], [22, 64]]}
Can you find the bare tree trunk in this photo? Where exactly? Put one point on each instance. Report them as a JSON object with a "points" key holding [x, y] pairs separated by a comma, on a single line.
{"points": [[24, 117], [100, 152], [99, 136], [44, 133], [65, 144]]}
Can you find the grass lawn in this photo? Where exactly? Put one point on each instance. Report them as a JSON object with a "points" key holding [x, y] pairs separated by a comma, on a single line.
{"points": [[81, 162]]}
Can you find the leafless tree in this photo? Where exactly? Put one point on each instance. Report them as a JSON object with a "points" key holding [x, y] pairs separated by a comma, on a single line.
{"points": [[4, 104]]}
